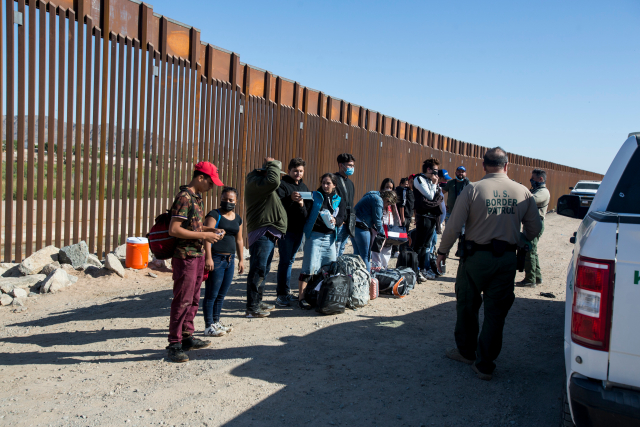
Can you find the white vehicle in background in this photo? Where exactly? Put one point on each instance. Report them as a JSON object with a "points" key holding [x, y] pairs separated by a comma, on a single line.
{"points": [[586, 191], [602, 316]]}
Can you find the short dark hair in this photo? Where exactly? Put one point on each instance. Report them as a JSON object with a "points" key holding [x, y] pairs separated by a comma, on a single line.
{"points": [[298, 161], [496, 158], [200, 173], [429, 164], [385, 182], [229, 190], [403, 180], [331, 176], [346, 158], [540, 173], [390, 196]]}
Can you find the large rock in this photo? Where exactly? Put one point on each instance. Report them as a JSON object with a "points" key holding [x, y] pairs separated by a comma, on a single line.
{"points": [[19, 293], [7, 284], [8, 265], [76, 255], [93, 260], [36, 262], [56, 281], [50, 268], [113, 263], [121, 252], [5, 299]]}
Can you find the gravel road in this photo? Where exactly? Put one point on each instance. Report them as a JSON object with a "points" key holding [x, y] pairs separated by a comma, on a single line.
{"points": [[94, 355]]}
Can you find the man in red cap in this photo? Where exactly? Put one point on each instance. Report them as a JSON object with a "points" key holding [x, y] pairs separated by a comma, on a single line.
{"points": [[187, 215]]}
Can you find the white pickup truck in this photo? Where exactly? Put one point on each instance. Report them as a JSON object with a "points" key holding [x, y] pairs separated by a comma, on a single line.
{"points": [[602, 316], [586, 191]]}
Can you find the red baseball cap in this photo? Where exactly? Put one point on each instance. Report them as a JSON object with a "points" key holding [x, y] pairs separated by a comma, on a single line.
{"points": [[211, 170]]}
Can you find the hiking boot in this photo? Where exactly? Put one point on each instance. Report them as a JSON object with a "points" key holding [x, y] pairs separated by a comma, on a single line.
{"points": [[454, 354], [525, 284], [283, 301], [292, 298], [256, 313], [538, 281], [482, 376], [266, 307], [304, 305], [214, 331], [192, 343], [176, 354]]}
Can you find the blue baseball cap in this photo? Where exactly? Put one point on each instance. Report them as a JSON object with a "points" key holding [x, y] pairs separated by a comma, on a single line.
{"points": [[462, 168], [442, 173]]}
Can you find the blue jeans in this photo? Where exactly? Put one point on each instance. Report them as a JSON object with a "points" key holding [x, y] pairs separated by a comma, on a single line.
{"points": [[261, 254], [216, 287], [430, 248], [319, 250], [287, 248], [362, 246], [341, 240]]}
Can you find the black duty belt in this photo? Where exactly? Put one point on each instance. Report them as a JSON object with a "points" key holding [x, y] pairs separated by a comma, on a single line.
{"points": [[489, 247]]}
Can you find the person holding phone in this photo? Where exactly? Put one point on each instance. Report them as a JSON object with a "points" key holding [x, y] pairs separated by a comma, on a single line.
{"points": [[297, 210], [320, 232], [220, 260]]}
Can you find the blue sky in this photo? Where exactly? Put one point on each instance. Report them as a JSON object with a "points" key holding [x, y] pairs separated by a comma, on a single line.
{"points": [[546, 79]]}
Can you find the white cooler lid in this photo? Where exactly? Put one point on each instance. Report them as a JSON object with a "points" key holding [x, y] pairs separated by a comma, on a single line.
{"points": [[137, 240]]}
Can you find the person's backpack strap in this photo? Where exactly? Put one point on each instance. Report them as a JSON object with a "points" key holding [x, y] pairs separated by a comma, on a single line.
{"points": [[344, 190], [219, 216]]}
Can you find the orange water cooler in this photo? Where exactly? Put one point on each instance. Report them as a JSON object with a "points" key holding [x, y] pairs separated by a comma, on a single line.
{"points": [[137, 252]]}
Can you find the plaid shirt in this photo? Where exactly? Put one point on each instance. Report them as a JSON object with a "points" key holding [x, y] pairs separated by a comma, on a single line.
{"points": [[188, 206]]}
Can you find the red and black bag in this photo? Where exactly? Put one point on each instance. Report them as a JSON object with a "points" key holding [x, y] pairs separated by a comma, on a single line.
{"points": [[161, 244]]}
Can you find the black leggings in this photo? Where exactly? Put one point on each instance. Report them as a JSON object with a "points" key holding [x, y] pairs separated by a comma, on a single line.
{"points": [[424, 230]]}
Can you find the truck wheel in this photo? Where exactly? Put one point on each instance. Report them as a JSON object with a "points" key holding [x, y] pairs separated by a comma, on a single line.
{"points": [[566, 420]]}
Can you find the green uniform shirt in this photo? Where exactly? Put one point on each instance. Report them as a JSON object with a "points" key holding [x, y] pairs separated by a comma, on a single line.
{"points": [[542, 196], [188, 207], [492, 208], [453, 188]]}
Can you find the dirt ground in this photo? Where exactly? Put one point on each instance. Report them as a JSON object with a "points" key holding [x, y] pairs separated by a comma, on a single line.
{"points": [[94, 354]]}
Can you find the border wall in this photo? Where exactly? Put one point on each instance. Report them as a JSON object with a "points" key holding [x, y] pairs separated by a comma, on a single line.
{"points": [[115, 103]]}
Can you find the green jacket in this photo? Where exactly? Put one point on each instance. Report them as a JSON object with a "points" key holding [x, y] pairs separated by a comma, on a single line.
{"points": [[263, 206]]}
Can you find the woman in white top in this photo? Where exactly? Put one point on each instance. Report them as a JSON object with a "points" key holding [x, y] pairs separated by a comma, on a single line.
{"points": [[389, 217]]}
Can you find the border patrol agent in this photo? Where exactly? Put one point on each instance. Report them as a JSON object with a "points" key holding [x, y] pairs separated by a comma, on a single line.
{"points": [[492, 210], [532, 273]]}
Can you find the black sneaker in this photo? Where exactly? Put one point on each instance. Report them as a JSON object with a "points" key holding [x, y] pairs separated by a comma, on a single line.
{"points": [[193, 343], [538, 281], [524, 284], [266, 307], [256, 314], [304, 305], [176, 354]]}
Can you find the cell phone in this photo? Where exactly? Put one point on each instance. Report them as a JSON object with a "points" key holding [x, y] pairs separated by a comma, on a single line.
{"points": [[306, 195]]}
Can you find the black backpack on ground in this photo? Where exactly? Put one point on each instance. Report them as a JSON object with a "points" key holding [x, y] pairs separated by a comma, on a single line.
{"points": [[334, 294], [391, 282], [410, 277], [408, 258], [310, 292]]}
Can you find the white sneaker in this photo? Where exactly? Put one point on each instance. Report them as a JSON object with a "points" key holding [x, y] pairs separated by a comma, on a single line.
{"points": [[421, 277], [224, 328], [430, 275], [214, 331]]}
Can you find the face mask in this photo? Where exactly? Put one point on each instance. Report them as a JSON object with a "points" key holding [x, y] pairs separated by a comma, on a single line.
{"points": [[535, 184], [349, 171], [227, 206]]}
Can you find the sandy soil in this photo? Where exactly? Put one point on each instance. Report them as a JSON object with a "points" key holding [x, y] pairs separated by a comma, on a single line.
{"points": [[94, 355]]}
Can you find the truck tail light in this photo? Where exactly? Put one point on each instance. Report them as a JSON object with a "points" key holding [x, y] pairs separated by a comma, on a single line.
{"points": [[592, 297]]}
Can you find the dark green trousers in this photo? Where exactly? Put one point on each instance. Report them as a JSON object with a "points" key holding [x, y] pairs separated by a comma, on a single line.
{"points": [[483, 278], [532, 273]]}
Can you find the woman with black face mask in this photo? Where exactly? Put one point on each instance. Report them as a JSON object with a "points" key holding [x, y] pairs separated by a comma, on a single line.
{"points": [[220, 260]]}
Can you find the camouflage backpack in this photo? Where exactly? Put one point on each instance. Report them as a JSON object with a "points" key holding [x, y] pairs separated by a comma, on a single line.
{"points": [[352, 265]]}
